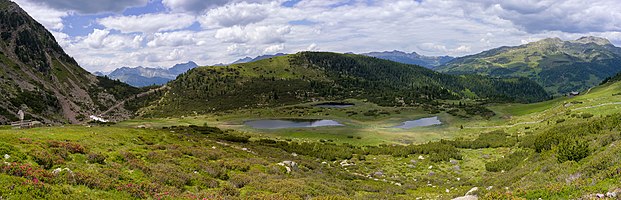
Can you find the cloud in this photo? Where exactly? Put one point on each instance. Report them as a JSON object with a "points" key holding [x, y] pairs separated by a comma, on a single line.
{"points": [[199, 6], [93, 7], [253, 34], [274, 49], [148, 23], [572, 16], [96, 38], [173, 39], [235, 14], [232, 29]]}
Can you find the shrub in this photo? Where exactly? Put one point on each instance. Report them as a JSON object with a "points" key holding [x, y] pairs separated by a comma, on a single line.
{"points": [[587, 115], [572, 150], [69, 146], [96, 158], [14, 153], [233, 138], [508, 162], [492, 139], [45, 159]]}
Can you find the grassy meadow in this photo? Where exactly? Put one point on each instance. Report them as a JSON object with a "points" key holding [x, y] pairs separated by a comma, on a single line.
{"points": [[522, 152]]}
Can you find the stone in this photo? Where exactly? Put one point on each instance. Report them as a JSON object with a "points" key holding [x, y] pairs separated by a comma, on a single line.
{"points": [[467, 197], [378, 173], [472, 191], [6, 156], [611, 194]]}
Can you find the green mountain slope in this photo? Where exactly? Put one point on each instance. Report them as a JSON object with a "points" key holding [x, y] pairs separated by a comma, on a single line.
{"points": [[559, 66], [37, 76], [310, 76]]}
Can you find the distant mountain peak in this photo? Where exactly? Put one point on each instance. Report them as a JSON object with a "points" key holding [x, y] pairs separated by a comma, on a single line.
{"points": [[592, 39], [146, 76], [249, 59], [559, 66], [411, 58]]}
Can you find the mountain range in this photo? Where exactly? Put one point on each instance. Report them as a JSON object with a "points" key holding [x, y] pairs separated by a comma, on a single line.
{"points": [[413, 58], [559, 66], [147, 76], [262, 57], [39, 78], [312, 76]]}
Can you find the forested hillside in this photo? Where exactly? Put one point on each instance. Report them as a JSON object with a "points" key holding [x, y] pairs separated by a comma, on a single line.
{"points": [[310, 76], [559, 66]]}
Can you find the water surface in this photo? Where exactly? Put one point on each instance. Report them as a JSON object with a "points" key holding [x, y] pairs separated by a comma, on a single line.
{"points": [[419, 123], [290, 123]]}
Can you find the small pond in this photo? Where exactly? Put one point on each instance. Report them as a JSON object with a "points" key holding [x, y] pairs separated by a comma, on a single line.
{"points": [[334, 105], [290, 123], [419, 123]]}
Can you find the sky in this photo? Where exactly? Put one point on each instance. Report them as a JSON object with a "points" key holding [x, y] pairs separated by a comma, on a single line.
{"points": [[106, 34]]}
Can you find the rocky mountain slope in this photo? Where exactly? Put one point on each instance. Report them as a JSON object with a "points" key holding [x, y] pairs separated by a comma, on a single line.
{"points": [[559, 66], [37, 76]]}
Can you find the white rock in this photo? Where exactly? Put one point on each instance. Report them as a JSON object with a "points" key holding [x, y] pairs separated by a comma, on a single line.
{"points": [[611, 194], [489, 187], [467, 197], [430, 167], [6, 156], [421, 157], [294, 154], [213, 147], [447, 190], [472, 191], [600, 196]]}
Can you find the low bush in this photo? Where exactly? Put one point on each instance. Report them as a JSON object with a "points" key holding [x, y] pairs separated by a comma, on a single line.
{"points": [[508, 162], [572, 150]]}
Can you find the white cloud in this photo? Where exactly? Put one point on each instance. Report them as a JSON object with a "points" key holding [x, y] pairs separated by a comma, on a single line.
{"points": [[312, 47], [235, 14], [274, 49], [148, 23], [232, 29], [96, 38], [199, 6], [573, 16], [173, 39], [253, 34]]}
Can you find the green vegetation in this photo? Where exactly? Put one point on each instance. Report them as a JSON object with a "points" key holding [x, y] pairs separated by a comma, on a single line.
{"points": [[308, 76], [559, 66]]}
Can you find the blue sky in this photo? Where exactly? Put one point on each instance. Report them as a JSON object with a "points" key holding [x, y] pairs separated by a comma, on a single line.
{"points": [[106, 34]]}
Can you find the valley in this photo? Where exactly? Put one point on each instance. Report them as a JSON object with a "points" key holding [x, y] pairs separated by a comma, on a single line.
{"points": [[535, 121], [488, 153]]}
